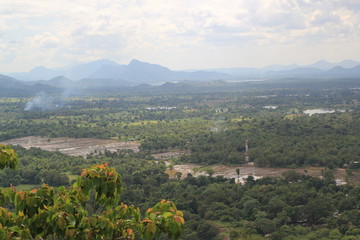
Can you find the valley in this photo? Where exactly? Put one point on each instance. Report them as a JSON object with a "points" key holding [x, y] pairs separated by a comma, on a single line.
{"points": [[193, 143], [180, 120]]}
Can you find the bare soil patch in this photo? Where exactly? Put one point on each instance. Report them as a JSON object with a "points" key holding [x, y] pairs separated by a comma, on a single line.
{"points": [[245, 171], [73, 146]]}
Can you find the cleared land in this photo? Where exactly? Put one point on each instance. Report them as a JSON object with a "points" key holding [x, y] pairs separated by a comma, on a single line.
{"points": [[245, 171], [84, 146], [73, 146]]}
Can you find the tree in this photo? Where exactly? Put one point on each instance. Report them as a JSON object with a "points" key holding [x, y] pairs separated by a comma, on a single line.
{"points": [[328, 175], [62, 213], [210, 172], [238, 174], [316, 209], [206, 231], [265, 225], [234, 235], [292, 176], [178, 175], [8, 157], [53, 178]]}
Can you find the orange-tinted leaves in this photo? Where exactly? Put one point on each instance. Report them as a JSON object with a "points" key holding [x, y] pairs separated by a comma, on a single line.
{"points": [[179, 219]]}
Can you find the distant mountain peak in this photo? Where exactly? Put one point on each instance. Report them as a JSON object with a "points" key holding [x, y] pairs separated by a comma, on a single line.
{"points": [[325, 65], [148, 67], [133, 61], [61, 77], [347, 63], [137, 71], [337, 68], [136, 62]]}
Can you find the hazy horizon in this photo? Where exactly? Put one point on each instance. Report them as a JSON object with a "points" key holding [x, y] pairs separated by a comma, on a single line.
{"points": [[60, 67], [178, 34]]}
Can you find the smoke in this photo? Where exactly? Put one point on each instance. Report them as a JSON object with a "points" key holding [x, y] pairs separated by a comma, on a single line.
{"points": [[46, 102], [42, 102]]}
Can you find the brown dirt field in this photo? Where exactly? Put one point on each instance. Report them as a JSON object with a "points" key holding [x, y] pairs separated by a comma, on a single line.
{"points": [[72, 146], [84, 146], [256, 172]]}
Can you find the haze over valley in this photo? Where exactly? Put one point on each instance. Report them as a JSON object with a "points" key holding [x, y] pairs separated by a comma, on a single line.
{"points": [[182, 120]]}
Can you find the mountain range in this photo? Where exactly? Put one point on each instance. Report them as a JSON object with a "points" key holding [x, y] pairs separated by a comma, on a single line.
{"points": [[135, 72], [138, 72]]}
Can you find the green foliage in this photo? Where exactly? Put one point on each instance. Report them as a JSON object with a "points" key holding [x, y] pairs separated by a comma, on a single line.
{"points": [[211, 127], [106, 181], [164, 217], [52, 177], [60, 213], [265, 225], [206, 231], [275, 141], [8, 157]]}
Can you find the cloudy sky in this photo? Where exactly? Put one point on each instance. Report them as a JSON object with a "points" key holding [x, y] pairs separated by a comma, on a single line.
{"points": [[179, 34]]}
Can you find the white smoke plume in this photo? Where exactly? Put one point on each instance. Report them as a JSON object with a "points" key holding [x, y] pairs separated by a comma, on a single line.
{"points": [[42, 102]]}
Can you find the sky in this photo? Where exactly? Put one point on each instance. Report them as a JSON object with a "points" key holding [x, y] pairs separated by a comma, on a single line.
{"points": [[179, 34]]}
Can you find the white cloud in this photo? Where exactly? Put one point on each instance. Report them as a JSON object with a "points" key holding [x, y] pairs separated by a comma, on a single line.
{"points": [[178, 34]]}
